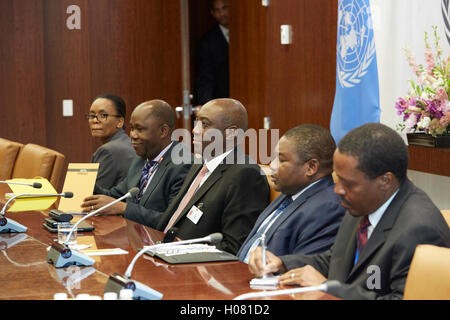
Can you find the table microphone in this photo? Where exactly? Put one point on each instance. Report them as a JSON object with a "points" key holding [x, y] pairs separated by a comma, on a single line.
{"points": [[60, 255], [331, 284], [36, 185], [117, 282], [8, 225]]}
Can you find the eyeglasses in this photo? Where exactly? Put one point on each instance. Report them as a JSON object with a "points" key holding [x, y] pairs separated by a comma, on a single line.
{"points": [[100, 117]]}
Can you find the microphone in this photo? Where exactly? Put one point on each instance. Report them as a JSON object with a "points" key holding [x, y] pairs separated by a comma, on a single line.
{"points": [[36, 185], [327, 285], [8, 225], [117, 282], [60, 255]]}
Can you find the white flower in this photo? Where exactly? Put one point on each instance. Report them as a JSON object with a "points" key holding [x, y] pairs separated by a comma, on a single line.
{"points": [[424, 123]]}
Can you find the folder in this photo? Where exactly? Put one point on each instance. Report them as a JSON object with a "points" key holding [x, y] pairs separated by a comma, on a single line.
{"points": [[80, 179], [30, 203]]}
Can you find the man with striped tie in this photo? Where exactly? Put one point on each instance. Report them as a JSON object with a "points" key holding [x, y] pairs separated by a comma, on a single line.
{"points": [[387, 217], [153, 170]]}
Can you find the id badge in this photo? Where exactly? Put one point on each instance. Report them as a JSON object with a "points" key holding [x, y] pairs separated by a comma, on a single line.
{"points": [[194, 214]]}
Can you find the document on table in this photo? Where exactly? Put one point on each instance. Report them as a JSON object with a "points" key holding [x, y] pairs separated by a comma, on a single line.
{"points": [[269, 282], [104, 252]]}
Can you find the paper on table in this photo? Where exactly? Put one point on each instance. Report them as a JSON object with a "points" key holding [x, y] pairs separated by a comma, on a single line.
{"points": [[30, 203], [269, 282], [80, 179], [104, 252]]}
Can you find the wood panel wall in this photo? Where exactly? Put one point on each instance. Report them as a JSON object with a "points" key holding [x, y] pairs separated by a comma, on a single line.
{"points": [[133, 48], [130, 48]]}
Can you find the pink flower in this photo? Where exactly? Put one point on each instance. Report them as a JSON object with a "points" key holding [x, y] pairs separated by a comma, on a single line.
{"points": [[429, 59]]}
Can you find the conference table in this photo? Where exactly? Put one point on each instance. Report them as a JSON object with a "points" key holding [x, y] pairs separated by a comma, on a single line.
{"points": [[25, 273]]}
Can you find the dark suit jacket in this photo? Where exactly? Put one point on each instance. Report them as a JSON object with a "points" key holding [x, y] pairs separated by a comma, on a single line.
{"points": [[308, 225], [411, 219], [231, 199], [163, 187], [115, 158], [212, 72]]}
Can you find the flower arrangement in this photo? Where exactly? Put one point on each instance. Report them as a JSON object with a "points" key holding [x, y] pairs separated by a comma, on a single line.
{"points": [[426, 108]]}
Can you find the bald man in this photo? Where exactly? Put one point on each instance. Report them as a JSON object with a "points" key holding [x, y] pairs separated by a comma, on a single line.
{"points": [[152, 171], [226, 192]]}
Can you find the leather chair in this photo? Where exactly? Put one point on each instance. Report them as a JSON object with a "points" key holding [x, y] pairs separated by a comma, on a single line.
{"points": [[8, 154], [37, 161], [429, 274], [273, 192], [446, 214]]}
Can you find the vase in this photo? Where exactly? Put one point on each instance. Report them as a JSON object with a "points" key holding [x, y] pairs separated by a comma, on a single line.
{"points": [[427, 140]]}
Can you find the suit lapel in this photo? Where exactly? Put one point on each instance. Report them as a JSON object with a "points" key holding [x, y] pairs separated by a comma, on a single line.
{"points": [[134, 181], [381, 231], [296, 204], [156, 178]]}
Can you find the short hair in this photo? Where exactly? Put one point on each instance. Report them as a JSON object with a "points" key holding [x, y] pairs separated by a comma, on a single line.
{"points": [[161, 110], [313, 141], [118, 103], [378, 149]]}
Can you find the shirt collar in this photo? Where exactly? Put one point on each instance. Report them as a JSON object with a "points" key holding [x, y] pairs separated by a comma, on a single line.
{"points": [[214, 163], [160, 155], [226, 32], [375, 216], [295, 196]]}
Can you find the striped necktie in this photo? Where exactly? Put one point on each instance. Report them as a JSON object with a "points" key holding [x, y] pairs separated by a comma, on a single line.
{"points": [[147, 172]]}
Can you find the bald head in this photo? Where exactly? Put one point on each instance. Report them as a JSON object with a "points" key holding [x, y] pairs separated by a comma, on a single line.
{"points": [[231, 111], [159, 109]]}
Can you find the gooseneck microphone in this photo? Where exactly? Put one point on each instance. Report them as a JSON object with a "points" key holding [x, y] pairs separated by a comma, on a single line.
{"points": [[8, 225], [36, 185], [60, 255], [331, 284], [117, 282], [130, 194]]}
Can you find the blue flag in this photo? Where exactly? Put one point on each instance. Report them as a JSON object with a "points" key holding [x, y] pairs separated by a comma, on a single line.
{"points": [[356, 100]]}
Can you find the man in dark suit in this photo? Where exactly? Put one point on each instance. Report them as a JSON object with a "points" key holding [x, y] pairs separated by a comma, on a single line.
{"points": [[212, 72], [306, 216], [227, 192], [387, 217], [153, 170]]}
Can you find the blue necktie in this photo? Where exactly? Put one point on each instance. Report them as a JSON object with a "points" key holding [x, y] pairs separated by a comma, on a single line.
{"points": [[145, 176], [249, 242]]}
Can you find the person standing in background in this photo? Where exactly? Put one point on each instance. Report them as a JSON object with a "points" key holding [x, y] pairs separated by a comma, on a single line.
{"points": [[212, 72], [107, 123]]}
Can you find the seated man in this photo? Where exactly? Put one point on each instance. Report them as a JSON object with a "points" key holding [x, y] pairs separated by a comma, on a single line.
{"points": [[387, 218], [153, 170], [226, 193], [306, 216]]}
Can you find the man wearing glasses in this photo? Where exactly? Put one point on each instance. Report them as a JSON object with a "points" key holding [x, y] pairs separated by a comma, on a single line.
{"points": [[106, 120]]}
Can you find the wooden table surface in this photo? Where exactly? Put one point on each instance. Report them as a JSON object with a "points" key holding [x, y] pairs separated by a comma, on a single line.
{"points": [[25, 273]]}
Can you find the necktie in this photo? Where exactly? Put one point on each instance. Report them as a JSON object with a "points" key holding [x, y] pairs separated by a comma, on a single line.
{"points": [[361, 236], [254, 240], [145, 176], [187, 197]]}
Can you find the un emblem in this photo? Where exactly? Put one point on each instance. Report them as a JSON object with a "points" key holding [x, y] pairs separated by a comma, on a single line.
{"points": [[355, 42]]}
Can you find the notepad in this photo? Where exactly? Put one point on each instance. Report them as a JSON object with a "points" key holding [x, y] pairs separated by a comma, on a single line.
{"points": [[80, 179]]}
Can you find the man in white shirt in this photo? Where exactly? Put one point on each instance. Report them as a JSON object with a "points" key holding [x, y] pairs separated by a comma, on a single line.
{"points": [[387, 217], [212, 70], [227, 192]]}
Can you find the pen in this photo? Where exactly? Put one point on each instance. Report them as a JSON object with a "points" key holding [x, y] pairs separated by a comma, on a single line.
{"points": [[263, 246]]}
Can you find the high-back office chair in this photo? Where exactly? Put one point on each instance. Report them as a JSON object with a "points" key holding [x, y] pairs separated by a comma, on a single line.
{"points": [[37, 161], [446, 214], [8, 154], [429, 274], [273, 192]]}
